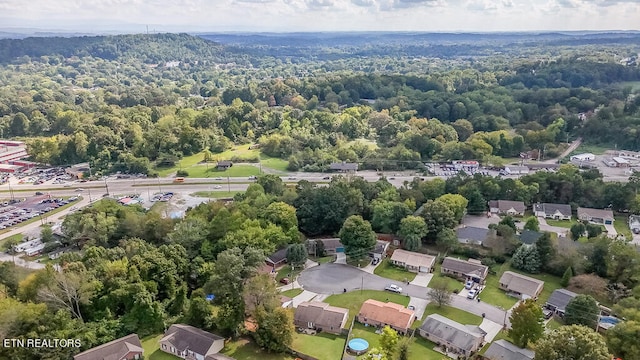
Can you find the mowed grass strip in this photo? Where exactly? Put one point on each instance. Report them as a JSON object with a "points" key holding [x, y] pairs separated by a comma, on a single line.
{"points": [[387, 270], [246, 349]]}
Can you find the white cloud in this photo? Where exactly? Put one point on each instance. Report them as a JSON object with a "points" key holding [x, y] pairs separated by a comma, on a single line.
{"points": [[325, 15]]}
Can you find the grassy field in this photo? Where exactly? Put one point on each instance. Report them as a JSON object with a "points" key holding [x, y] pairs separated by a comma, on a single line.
{"points": [[322, 346], [292, 293], [215, 194], [274, 163], [389, 271], [16, 237], [152, 349], [622, 225], [562, 223], [452, 283], [460, 316], [237, 170], [353, 300], [592, 148], [246, 349], [635, 85]]}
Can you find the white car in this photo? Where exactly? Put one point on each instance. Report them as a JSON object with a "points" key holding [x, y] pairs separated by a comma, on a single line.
{"points": [[394, 288], [468, 285], [472, 294], [218, 187]]}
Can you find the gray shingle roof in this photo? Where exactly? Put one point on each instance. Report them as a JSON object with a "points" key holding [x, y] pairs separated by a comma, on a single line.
{"points": [[560, 298], [521, 283], [505, 205], [115, 349], [504, 350], [461, 336], [550, 209], [529, 237], [475, 234], [320, 313], [188, 337], [595, 213], [465, 267], [277, 257]]}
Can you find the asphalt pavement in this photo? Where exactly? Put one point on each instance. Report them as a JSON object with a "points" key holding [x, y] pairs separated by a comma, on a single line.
{"points": [[335, 278]]}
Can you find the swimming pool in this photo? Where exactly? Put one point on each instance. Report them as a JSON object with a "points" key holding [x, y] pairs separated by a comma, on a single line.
{"points": [[358, 346]]}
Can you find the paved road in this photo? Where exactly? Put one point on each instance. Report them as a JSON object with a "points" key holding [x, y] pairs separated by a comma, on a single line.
{"points": [[334, 278], [20, 262], [574, 145]]}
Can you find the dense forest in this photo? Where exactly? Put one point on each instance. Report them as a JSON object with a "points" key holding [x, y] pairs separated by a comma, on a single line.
{"points": [[130, 103]]}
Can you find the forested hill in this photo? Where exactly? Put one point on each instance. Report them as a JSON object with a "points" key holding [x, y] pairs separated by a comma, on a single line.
{"points": [[147, 48]]}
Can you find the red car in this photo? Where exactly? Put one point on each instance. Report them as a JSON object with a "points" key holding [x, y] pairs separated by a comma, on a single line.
{"points": [[285, 281]]}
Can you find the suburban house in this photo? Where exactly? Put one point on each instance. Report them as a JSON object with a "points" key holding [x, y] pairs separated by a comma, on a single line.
{"points": [[379, 251], [520, 286], [331, 246], [344, 167], [634, 223], [77, 171], [465, 270], [224, 165], [286, 302], [278, 258], [413, 261], [529, 237], [504, 350], [188, 342], [320, 316], [516, 170], [552, 211], [379, 314], [125, 348], [559, 299], [596, 216], [507, 207], [452, 336], [472, 235]]}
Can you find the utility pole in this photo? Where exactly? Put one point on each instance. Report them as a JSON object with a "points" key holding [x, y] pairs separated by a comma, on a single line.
{"points": [[106, 185], [228, 183], [159, 188]]}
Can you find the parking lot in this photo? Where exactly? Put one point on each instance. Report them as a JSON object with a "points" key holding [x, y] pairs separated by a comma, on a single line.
{"points": [[17, 211]]}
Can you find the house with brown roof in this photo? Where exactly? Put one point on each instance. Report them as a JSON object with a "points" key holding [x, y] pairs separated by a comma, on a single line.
{"points": [[465, 269], [451, 335], [596, 216], [320, 316], [553, 211], [520, 286], [413, 261], [191, 343], [125, 348], [379, 314], [507, 207]]}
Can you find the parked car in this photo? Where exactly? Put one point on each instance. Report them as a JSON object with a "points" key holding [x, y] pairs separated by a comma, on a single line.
{"points": [[394, 288], [472, 294], [39, 193], [375, 261], [285, 281], [468, 285], [326, 178]]}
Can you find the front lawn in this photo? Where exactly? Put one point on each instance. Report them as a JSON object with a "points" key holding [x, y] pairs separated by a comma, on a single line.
{"points": [[286, 271], [359, 263], [562, 223], [353, 300], [389, 271], [492, 294], [622, 225], [152, 349], [274, 163], [452, 284], [246, 349], [322, 346], [323, 260], [292, 293], [458, 315]]}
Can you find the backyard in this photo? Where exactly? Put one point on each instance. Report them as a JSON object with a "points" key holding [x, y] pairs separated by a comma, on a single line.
{"points": [[419, 349], [389, 271], [353, 300], [152, 349], [246, 349], [458, 315], [551, 282], [323, 346], [622, 225]]}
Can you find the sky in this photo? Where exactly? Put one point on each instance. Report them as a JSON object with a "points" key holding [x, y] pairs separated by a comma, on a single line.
{"points": [[97, 16]]}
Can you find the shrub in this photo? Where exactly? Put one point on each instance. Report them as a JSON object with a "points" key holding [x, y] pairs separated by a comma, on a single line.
{"points": [[182, 173]]}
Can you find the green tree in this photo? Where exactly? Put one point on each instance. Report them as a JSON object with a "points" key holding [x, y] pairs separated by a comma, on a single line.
{"points": [[582, 310], [403, 348], [296, 255], [260, 291], [281, 214], [412, 230], [623, 338], [389, 341], [439, 292], [546, 249], [527, 323], [566, 277], [46, 234], [272, 184], [457, 203], [509, 221], [573, 342], [357, 237], [200, 312], [532, 224], [577, 230], [190, 233], [593, 230], [526, 258], [437, 216], [447, 239], [388, 214], [275, 328]]}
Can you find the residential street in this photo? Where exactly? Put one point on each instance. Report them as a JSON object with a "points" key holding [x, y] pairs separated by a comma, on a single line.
{"points": [[334, 278]]}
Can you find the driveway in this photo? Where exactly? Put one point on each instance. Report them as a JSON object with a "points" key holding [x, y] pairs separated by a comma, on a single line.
{"points": [[422, 279], [341, 258], [562, 232], [481, 221], [335, 278], [611, 231], [420, 306], [491, 328], [304, 296]]}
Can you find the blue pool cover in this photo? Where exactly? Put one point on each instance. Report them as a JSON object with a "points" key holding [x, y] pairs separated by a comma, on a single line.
{"points": [[358, 344]]}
